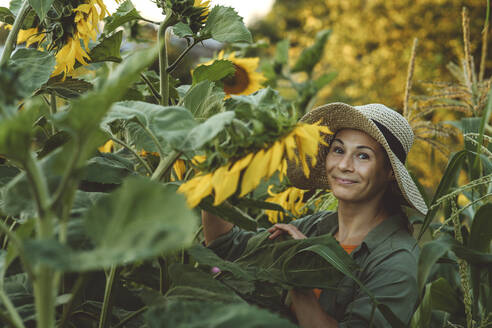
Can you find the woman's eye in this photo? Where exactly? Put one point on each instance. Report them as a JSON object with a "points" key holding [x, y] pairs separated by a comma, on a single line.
{"points": [[338, 150], [363, 156]]}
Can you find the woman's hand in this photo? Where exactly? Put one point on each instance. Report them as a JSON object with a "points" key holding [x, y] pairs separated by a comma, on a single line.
{"points": [[281, 228]]}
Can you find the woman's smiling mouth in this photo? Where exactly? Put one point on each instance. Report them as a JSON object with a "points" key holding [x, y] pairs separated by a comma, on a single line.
{"points": [[344, 181]]}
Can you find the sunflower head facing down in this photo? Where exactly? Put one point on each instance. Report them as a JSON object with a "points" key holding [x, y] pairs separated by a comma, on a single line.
{"points": [[245, 79]]}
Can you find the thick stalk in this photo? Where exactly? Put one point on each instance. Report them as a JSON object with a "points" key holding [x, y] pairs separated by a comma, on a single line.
{"points": [[165, 165], [12, 37], [163, 61], [107, 303], [52, 111]]}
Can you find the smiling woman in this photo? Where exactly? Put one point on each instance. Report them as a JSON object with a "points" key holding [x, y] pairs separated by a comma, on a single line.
{"points": [[363, 164]]}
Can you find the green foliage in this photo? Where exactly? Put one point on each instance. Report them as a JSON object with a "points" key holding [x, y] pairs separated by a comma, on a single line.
{"points": [[108, 49], [149, 216], [125, 13], [312, 55], [6, 16], [218, 70], [225, 25], [204, 99], [41, 7]]}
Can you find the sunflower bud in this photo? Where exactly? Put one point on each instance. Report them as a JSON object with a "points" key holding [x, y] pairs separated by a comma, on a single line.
{"points": [[193, 13]]}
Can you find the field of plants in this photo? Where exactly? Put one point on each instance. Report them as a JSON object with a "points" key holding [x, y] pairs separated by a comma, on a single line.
{"points": [[116, 131]]}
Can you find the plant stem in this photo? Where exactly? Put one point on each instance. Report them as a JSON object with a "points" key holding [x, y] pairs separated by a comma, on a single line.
{"points": [[17, 243], [107, 303], [140, 159], [154, 92], [485, 35], [163, 60], [173, 66], [52, 111], [165, 165], [12, 37], [39, 184], [463, 269], [12, 311]]}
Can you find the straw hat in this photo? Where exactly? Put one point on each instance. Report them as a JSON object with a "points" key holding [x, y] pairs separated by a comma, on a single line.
{"points": [[384, 124]]}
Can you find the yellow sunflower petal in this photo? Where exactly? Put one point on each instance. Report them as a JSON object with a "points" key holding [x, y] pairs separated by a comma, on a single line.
{"points": [[277, 155], [107, 147], [242, 163], [196, 189], [179, 168], [224, 183], [256, 170]]}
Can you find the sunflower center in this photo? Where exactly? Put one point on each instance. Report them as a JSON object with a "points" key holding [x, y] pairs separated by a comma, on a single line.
{"points": [[238, 82]]}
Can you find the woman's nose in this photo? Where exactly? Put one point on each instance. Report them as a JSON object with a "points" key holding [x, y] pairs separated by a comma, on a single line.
{"points": [[345, 163]]}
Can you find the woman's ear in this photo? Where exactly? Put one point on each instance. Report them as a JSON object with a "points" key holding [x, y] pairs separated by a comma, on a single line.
{"points": [[391, 175]]}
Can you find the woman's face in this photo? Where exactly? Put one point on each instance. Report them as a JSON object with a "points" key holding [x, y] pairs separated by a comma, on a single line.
{"points": [[356, 169]]}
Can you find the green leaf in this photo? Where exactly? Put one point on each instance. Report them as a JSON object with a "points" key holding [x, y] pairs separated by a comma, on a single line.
{"points": [[108, 168], [16, 131], [431, 252], [184, 314], [182, 30], [439, 295], [67, 89], [191, 284], [6, 16], [170, 125], [216, 71], [206, 131], [35, 68], [87, 111], [312, 55], [324, 80], [125, 13], [282, 52], [448, 179], [225, 25], [204, 99], [41, 7], [7, 173], [108, 49], [149, 216], [481, 229], [484, 119]]}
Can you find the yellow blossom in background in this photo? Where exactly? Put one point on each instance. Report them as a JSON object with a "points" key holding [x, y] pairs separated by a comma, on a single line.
{"points": [[245, 80], [463, 200], [179, 168], [107, 147], [253, 167], [290, 199]]}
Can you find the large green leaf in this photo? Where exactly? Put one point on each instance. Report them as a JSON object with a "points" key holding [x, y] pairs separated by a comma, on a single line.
{"points": [[108, 49], [440, 296], [216, 71], [204, 99], [484, 120], [35, 68], [312, 55], [191, 284], [86, 112], [431, 252], [282, 52], [41, 7], [149, 216], [126, 12], [481, 229], [182, 30], [194, 314], [170, 125], [448, 179], [225, 25], [229, 213], [108, 168], [16, 131], [206, 131], [6, 16], [68, 88]]}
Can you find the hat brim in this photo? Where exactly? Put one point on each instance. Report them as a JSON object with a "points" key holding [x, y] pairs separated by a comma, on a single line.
{"points": [[337, 116]]}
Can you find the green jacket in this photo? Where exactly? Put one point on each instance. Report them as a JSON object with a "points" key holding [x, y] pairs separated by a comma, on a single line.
{"points": [[387, 258]]}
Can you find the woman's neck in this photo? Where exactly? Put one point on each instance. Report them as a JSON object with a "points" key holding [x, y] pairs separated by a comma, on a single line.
{"points": [[355, 221]]}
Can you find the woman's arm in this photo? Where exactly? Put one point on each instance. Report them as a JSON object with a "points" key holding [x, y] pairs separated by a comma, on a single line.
{"points": [[214, 227], [309, 312]]}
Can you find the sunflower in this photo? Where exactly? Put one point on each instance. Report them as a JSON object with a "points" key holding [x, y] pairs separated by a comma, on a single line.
{"points": [[205, 5], [30, 36], [87, 17], [245, 80], [290, 199], [255, 166]]}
